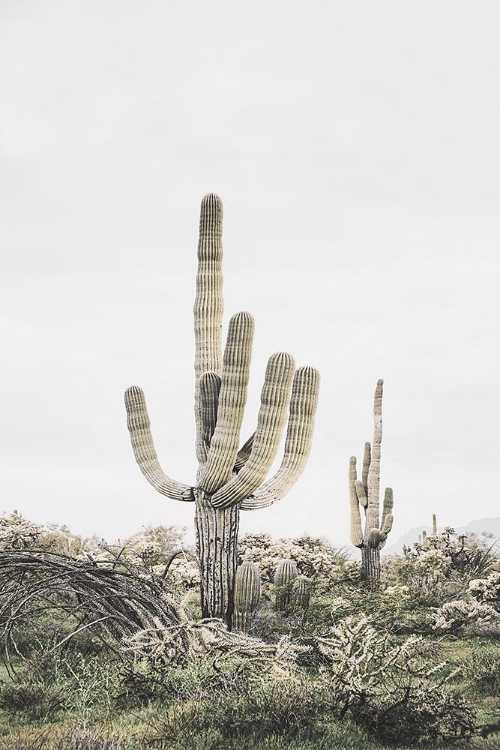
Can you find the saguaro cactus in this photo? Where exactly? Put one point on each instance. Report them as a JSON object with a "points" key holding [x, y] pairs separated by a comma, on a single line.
{"points": [[284, 576], [229, 479], [301, 593], [246, 595], [364, 493]]}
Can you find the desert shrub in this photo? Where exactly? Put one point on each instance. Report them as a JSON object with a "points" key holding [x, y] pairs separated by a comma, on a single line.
{"points": [[442, 567], [393, 687], [486, 590], [31, 699], [49, 684], [316, 558], [464, 616], [481, 668]]}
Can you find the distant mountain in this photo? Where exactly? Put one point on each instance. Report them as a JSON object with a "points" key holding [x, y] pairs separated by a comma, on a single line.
{"points": [[490, 525]]}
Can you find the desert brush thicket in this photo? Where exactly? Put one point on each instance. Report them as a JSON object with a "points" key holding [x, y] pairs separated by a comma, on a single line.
{"points": [[100, 650]]}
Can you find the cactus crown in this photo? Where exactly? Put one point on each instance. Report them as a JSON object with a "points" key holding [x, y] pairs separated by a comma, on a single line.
{"points": [[227, 474]]}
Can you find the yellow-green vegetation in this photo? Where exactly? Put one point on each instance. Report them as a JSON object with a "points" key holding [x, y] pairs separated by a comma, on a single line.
{"points": [[102, 652]]}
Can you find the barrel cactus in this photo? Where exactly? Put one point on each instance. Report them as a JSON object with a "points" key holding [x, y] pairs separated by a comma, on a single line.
{"points": [[364, 493], [230, 478], [246, 595]]}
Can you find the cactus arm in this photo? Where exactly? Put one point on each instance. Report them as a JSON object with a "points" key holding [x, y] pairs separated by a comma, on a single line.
{"points": [[373, 507], [361, 493], [356, 527], [144, 450], [303, 403], [210, 384], [208, 304], [232, 398], [387, 525], [367, 458], [387, 510], [272, 415], [243, 454]]}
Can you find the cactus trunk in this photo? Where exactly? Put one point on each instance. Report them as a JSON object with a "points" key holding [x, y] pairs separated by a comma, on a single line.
{"points": [[370, 563], [217, 546]]}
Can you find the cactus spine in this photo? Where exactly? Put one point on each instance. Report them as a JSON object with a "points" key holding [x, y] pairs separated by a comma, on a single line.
{"points": [[246, 595], [229, 479], [284, 577], [364, 493]]}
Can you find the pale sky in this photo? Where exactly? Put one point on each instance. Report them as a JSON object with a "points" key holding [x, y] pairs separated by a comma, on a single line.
{"points": [[355, 146]]}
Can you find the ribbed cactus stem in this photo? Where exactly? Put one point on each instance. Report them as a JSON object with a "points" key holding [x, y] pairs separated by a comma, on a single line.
{"points": [[246, 595], [232, 399], [301, 593], [229, 477], [208, 304], [272, 416], [434, 525], [144, 450], [356, 526], [285, 574], [303, 403]]}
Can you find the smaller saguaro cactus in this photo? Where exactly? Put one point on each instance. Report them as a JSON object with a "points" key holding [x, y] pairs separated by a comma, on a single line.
{"points": [[364, 493], [301, 593], [246, 595], [285, 575]]}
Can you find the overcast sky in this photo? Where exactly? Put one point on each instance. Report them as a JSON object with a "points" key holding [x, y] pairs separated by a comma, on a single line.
{"points": [[355, 146]]}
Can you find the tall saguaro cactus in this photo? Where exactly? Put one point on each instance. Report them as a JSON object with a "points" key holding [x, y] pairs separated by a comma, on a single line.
{"points": [[364, 493], [229, 478]]}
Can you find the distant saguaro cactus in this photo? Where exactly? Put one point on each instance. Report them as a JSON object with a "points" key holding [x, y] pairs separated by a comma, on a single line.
{"points": [[284, 576], [246, 595], [364, 493], [229, 479]]}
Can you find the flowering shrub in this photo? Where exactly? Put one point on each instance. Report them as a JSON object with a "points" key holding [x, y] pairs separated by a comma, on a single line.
{"points": [[456, 615], [486, 589], [16, 532], [315, 558]]}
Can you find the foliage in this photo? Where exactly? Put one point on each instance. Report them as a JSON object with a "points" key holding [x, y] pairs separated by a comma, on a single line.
{"points": [[390, 686], [316, 558]]}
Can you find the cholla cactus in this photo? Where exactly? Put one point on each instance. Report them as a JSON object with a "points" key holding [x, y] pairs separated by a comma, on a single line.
{"points": [[229, 478], [364, 492], [246, 595], [286, 573]]}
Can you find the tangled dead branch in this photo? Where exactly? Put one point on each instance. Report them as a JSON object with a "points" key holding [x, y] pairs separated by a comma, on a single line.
{"points": [[110, 598]]}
